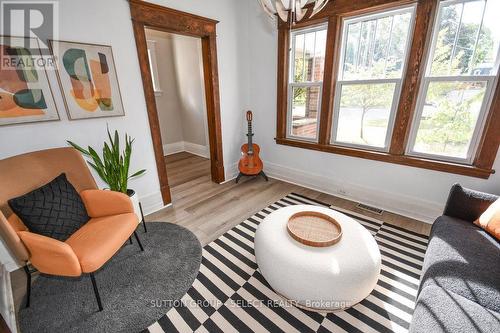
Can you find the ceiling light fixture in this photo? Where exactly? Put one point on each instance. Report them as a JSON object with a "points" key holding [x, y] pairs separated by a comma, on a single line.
{"points": [[295, 8]]}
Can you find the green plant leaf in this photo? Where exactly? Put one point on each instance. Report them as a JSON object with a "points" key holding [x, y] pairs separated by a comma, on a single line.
{"points": [[114, 165], [138, 173], [77, 147]]}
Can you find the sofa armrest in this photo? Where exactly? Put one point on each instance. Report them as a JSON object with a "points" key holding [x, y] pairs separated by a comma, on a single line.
{"points": [[51, 256], [100, 203], [467, 204]]}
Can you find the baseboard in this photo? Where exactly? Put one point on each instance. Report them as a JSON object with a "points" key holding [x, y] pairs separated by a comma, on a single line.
{"points": [[173, 148], [412, 207], [151, 202], [230, 172], [180, 146], [197, 149]]}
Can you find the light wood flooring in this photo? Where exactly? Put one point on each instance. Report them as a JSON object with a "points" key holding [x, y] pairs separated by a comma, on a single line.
{"points": [[210, 209]]}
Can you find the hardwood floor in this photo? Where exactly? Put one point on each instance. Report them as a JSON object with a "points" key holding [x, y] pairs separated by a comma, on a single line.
{"points": [[184, 167], [210, 209]]}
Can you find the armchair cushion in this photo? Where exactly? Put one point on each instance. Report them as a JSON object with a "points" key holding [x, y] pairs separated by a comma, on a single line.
{"points": [[54, 210], [98, 240], [101, 203]]}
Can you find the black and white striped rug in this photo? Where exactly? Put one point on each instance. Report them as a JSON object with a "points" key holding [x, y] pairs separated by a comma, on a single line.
{"points": [[230, 295]]}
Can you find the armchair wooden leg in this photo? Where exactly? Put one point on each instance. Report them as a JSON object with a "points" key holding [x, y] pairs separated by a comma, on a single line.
{"points": [[138, 240], [96, 291], [28, 285]]}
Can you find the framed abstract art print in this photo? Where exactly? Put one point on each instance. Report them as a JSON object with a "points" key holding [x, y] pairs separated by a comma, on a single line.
{"points": [[88, 80], [25, 93]]}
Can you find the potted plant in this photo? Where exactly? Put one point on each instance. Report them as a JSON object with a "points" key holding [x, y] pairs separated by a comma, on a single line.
{"points": [[113, 166]]}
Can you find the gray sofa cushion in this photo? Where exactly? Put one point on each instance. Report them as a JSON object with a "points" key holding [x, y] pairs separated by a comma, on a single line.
{"points": [[440, 310], [463, 259]]}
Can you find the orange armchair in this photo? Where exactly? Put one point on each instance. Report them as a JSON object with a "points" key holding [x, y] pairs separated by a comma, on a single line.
{"points": [[112, 218]]}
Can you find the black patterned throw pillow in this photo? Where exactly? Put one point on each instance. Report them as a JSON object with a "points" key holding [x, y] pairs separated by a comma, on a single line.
{"points": [[54, 210]]}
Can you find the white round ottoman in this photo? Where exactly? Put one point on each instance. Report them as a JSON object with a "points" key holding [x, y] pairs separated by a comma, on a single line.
{"points": [[318, 278]]}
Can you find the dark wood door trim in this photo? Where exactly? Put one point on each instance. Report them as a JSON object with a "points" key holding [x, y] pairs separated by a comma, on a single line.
{"points": [[161, 18]]}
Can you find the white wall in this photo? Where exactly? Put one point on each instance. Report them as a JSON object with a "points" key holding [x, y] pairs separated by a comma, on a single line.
{"points": [[108, 22], [189, 73], [233, 67], [168, 102], [181, 101], [75, 18], [413, 191]]}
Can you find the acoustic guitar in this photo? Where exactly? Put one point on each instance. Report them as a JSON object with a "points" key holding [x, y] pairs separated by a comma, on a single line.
{"points": [[250, 163]]}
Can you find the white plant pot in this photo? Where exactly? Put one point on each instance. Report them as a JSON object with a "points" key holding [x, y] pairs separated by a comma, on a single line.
{"points": [[135, 202]]}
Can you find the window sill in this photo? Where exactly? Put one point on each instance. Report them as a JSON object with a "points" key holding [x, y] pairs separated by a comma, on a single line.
{"points": [[449, 167]]}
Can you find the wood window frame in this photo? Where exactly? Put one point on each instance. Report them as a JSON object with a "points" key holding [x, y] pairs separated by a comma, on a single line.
{"points": [[304, 84], [333, 14]]}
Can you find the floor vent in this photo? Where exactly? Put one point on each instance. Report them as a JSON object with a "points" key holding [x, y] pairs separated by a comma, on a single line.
{"points": [[371, 209]]}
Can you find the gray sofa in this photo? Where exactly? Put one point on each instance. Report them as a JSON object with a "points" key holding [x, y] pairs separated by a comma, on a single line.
{"points": [[460, 283]]}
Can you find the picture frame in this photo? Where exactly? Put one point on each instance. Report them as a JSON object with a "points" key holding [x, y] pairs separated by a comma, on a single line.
{"points": [[25, 91], [88, 79]]}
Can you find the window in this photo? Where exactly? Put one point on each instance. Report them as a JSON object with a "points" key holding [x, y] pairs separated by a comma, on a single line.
{"points": [[459, 81], [153, 66], [373, 58], [305, 82], [411, 84]]}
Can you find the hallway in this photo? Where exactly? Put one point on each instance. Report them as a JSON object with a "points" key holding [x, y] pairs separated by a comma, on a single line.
{"points": [[185, 167]]}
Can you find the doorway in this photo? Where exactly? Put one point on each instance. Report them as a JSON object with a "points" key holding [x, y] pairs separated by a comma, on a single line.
{"points": [[176, 66], [150, 16]]}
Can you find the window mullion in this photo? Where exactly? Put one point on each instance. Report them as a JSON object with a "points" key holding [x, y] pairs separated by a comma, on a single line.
{"points": [[412, 82], [388, 46], [332, 53], [456, 38], [304, 58]]}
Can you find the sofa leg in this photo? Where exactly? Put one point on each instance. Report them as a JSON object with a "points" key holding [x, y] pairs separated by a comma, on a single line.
{"points": [[96, 291], [28, 285], [138, 240]]}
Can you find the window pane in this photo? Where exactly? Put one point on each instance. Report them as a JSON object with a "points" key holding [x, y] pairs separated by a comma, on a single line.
{"points": [[375, 48], [467, 43], [449, 23], [305, 109], [488, 43], [364, 113], [309, 56], [449, 118], [399, 39], [299, 58], [351, 50]]}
